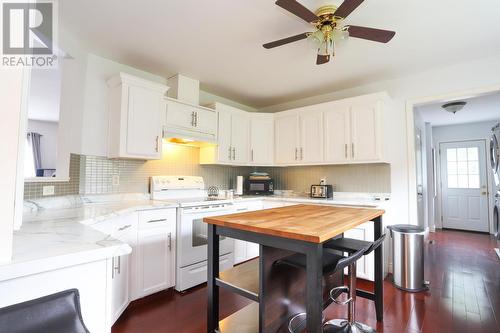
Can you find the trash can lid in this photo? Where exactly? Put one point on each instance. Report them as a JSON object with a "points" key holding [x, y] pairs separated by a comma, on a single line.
{"points": [[406, 228]]}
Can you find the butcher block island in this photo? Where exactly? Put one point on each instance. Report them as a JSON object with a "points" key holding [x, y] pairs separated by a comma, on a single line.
{"points": [[280, 292]]}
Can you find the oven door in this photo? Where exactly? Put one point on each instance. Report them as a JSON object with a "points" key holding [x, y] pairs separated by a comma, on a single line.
{"points": [[192, 234]]}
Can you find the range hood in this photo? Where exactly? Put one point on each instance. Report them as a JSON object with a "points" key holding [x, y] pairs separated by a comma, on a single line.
{"points": [[187, 123]]}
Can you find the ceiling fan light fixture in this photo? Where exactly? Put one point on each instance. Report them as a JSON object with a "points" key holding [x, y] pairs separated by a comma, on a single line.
{"points": [[454, 107], [316, 39]]}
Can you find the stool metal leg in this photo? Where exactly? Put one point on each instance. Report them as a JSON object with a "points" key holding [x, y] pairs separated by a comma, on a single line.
{"points": [[350, 325]]}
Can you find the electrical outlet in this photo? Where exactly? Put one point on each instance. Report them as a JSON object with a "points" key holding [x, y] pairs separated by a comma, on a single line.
{"points": [[116, 180], [322, 181], [48, 190]]}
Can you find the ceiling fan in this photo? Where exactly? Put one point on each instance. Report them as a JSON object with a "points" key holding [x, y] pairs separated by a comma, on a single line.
{"points": [[329, 28]]}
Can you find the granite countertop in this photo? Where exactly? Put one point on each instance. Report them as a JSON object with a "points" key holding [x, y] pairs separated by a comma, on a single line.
{"points": [[57, 232]]}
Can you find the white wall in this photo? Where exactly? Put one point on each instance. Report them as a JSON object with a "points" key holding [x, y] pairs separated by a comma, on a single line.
{"points": [[462, 132], [11, 91], [48, 141], [458, 78]]}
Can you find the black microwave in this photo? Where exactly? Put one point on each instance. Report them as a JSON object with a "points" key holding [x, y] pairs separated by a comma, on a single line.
{"points": [[259, 186]]}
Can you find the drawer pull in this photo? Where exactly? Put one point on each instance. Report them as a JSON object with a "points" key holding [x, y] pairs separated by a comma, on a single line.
{"points": [[170, 241], [124, 227], [158, 220]]}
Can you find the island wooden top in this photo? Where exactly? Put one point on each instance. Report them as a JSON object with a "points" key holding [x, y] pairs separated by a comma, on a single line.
{"points": [[311, 223]]}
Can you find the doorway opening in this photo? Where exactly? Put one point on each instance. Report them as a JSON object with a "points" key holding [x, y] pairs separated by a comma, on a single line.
{"points": [[456, 181]]}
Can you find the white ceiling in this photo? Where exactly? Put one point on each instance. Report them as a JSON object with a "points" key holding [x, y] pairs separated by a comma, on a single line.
{"points": [[45, 92], [477, 109], [220, 42]]}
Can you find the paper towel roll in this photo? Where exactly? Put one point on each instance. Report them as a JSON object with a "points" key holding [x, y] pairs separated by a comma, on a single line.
{"points": [[239, 185]]}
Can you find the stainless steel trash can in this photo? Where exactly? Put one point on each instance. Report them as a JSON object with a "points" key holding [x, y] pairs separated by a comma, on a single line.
{"points": [[408, 257]]}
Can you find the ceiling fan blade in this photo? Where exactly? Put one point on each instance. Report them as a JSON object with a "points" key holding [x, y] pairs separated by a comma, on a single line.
{"points": [[287, 40], [298, 10], [322, 59], [376, 35], [347, 7]]}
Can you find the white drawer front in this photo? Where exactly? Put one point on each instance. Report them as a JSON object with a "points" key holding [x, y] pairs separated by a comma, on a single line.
{"points": [[157, 218], [190, 276]]}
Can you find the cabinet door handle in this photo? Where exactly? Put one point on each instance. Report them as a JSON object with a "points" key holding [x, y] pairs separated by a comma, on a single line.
{"points": [[170, 241], [158, 220], [345, 146], [196, 119], [230, 153], [296, 153], [192, 118], [352, 149], [119, 265], [234, 153], [156, 143], [113, 267], [251, 154], [301, 153], [124, 227]]}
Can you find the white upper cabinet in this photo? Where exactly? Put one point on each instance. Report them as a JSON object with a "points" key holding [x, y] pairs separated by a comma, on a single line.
{"points": [[239, 137], [232, 138], [261, 139], [365, 132], [299, 136], [191, 121], [310, 148], [286, 141], [337, 134], [135, 111], [353, 130]]}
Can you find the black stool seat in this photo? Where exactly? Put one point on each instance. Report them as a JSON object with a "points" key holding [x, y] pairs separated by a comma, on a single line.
{"points": [[332, 262], [351, 245], [56, 313]]}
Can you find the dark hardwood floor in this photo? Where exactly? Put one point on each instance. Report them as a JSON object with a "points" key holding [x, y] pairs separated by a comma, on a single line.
{"points": [[464, 296]]}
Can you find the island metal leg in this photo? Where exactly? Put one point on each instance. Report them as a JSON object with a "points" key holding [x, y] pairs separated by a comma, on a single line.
{"points": [[314, 288], [379, 271], [213, 273]]}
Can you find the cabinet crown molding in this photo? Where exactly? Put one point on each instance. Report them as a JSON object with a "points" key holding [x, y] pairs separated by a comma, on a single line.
{"points": [[124, 78]]}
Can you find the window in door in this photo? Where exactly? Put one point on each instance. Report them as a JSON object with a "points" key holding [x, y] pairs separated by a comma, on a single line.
{"points": [[463, 167]]}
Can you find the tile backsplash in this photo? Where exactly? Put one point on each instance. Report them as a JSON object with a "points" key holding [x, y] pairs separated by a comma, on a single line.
{"points": [[94, 175]]}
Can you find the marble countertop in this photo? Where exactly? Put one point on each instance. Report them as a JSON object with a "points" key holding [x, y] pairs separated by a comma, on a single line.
{"points": [[57, 233], [340, 198]]}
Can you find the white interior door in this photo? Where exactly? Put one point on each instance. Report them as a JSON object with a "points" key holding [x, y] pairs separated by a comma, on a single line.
{"points": [[464, 198]]}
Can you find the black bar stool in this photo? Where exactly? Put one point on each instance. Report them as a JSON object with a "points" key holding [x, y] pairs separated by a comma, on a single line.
{"points": [[332, 263], [350, 245], [56, 313]]}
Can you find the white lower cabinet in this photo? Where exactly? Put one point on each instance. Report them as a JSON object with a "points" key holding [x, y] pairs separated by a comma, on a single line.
{"points": [[155, 252], [366, 264], [124, 228], [151, 265], [120, 272], [244, 250]]}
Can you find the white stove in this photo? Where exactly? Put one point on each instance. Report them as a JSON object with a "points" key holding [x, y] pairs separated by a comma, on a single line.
{"points": [[194, 205]]}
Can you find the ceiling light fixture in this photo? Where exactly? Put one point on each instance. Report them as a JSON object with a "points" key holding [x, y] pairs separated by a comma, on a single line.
{"points": [[453, 107]]}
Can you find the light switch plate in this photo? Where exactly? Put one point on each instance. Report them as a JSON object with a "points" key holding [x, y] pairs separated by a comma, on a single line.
{"points": [[116, 180], [48, 190]]}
